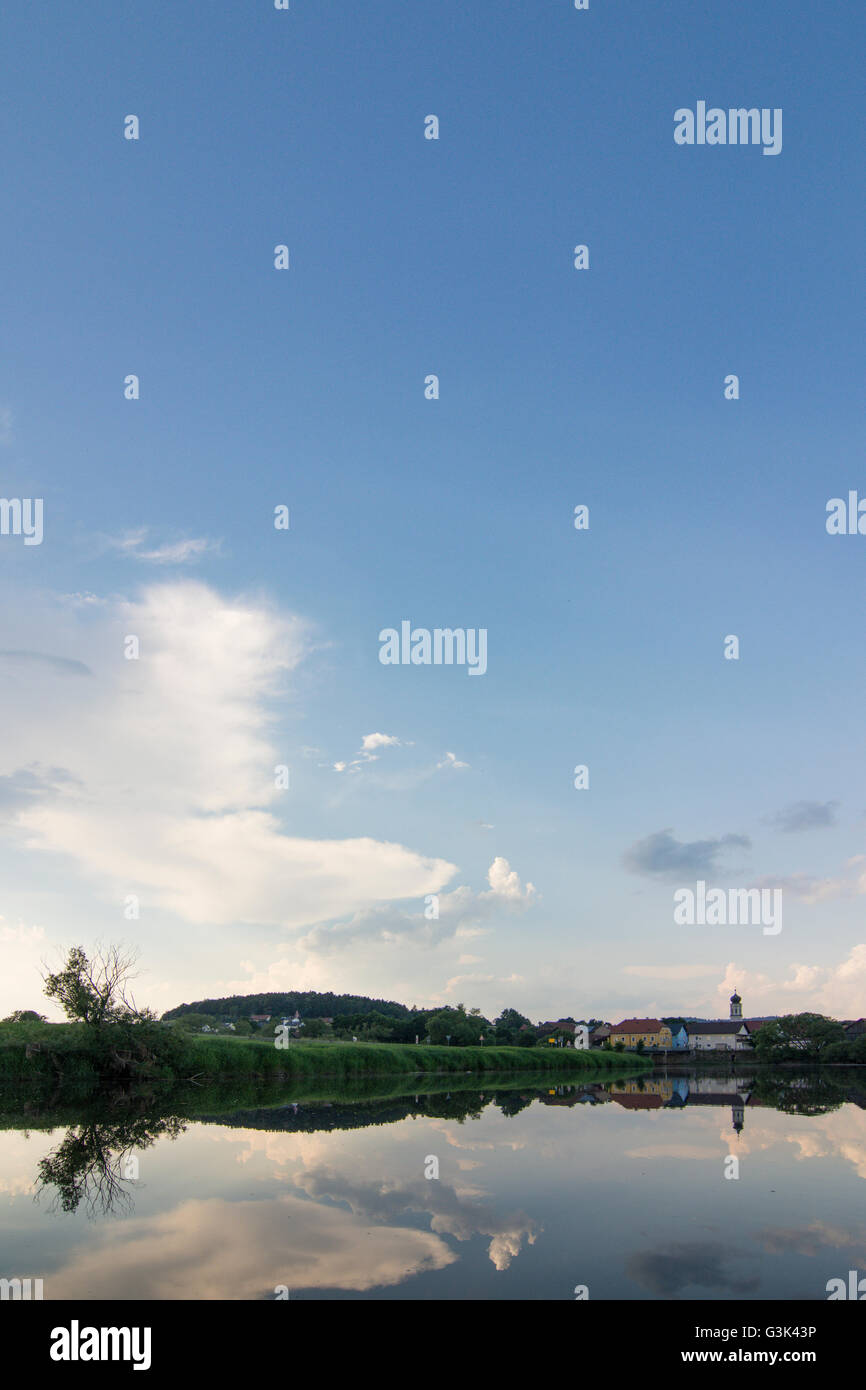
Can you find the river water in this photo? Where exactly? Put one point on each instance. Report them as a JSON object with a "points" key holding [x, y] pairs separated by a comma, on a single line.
{"points": [[658, 1187]]}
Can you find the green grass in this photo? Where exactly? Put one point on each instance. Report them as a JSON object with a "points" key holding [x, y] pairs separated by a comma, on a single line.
{"points": [[302, 1060], [63, 1053]]}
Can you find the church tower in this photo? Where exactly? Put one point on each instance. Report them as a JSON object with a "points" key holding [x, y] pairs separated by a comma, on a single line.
{"points": [[736, 1005]]}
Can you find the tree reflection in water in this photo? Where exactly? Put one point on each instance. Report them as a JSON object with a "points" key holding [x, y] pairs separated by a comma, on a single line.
{"points": [[94, 1163], [90, 1164]]}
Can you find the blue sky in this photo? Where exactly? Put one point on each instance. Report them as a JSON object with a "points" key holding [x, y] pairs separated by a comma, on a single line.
{"points": [[557, 387]]}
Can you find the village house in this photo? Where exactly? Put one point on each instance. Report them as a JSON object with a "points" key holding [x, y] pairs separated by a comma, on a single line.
{"points": [[733, 1034], [599, 1035], [638, 1100], [753, 1024], [569, 1034], [562, 1025], [650, 1031], [729, 1035], [569, 1095], [659, 1086]]}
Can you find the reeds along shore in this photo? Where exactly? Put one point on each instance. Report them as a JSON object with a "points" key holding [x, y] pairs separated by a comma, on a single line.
{"points": [[72, 1060], [221, 1057]]}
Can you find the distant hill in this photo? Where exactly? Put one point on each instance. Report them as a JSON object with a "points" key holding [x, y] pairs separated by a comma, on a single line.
{"points": [[753, 1018], [308, 1004]]}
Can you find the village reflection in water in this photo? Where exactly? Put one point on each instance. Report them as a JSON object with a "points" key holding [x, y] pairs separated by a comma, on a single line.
{"points": [[621, 1186]]}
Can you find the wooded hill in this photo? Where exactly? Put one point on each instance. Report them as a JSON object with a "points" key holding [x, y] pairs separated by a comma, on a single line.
{"points": [[308, 1003]]}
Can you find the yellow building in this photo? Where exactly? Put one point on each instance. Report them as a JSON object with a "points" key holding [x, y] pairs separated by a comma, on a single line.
{"points": [[650, 1031], [645, 1086]]}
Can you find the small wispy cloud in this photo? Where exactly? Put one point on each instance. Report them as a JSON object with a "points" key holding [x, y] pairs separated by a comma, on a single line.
{"points": [[83, 599], [371, 741], [181, 552], [458, 981], [805, 815], [365, 753], [661, 856], [28, 784], [670, 972], [63, 664], [371, 750], [450, 760]]}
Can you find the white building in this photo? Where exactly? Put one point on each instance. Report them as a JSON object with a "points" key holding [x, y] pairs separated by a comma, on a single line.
{"points": [[727, 1035]]}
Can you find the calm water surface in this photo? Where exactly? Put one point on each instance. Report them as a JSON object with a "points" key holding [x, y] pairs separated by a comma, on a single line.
{"points": [[619, 1186]]}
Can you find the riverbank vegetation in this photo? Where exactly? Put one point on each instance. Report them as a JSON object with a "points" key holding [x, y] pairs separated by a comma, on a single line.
{"points": [[109, 1041], [152, 1051], [807, 1037]]}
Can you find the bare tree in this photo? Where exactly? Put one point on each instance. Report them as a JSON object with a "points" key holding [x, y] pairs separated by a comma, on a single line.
{"points": [[96, 992]]}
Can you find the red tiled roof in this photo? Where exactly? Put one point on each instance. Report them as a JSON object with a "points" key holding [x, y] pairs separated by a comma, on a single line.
{"points": [[638, 1025]]}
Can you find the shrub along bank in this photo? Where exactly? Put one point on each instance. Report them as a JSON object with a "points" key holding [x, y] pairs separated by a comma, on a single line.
{"points": [[71, 1053]]}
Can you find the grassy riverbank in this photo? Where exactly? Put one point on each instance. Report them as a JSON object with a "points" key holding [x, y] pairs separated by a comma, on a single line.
{"points": [[67, 1054], [227, 1057]]}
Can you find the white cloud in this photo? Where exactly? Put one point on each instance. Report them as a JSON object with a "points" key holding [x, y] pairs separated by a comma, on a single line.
{"points": [[371, 741], [84, 600], [670, 972], [456, 1212], [366, 754], [169, 553], [811, 890], [214, 1249], [505, 883], [836, 990], [458, 981], [459, 912], [848, 883], [450, 760], [271, 978], [174, 758]]}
